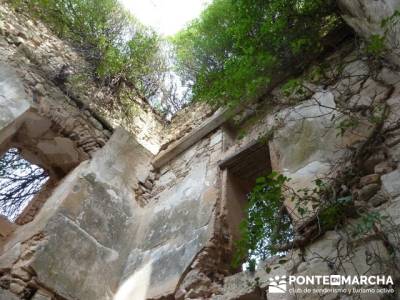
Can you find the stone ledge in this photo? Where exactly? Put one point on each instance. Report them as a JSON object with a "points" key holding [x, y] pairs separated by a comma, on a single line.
{"points": [[210, 124]]}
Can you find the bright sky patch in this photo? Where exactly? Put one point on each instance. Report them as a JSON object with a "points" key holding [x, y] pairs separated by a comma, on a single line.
{"points": [[167, 17]]}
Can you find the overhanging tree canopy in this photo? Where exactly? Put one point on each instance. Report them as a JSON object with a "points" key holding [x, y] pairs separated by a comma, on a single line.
{"points": [[234, 50]]}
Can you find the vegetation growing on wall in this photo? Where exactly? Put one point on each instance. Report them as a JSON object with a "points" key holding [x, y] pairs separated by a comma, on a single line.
{"points": [[267, 223], [237, 48], [122, 51], [232, 53], [331, 204]]}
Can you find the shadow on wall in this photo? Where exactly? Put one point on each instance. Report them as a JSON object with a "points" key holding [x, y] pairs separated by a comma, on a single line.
{"points": [[136, 286]]}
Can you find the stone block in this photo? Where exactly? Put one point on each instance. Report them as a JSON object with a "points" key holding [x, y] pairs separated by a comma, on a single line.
{"points": [[6, 227], [383, 167], [17, 286], [325, 247], [7, 295], [393, 211], [367, 191], [391, 183], [39, 295], [21, 273], [369, 179], [378, 199], [373, 160], [389, 76]]}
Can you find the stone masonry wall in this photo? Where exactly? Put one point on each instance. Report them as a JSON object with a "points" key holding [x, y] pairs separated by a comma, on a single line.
{"points": [[117, 228], [304, 145], [186, 120], [35, 55], [78, 106], [77, 246], [96, 230]]}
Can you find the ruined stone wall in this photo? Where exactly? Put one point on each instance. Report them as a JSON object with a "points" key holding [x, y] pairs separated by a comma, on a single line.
{"points": [[91, 205], [305, 145], [37, 58], [77, 246], [110, 217], [86, 213], [80, 107], [123, 224], [184, 121], [178, 217]]}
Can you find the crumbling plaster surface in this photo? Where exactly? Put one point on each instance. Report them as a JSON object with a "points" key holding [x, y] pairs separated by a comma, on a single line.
{"points": [[95, 206], [102, 225], [178, 219], [116, 226], [113, 237], [308, 148], [86, 227]]}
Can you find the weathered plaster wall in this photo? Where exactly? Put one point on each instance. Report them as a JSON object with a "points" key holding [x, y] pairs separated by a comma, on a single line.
{"points": [[117, 228], [121, 215], [305, 145], [77, 245], [177, 220]]}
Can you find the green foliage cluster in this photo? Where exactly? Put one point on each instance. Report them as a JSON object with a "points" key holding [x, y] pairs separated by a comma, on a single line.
{"points": [[266, 224], [238, 47], [331, 214], [322, 201], [375, 45], [120, 48], [367, 223]]}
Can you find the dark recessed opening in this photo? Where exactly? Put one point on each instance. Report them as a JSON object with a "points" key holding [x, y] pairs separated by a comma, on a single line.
{"points": [[240, 173]]}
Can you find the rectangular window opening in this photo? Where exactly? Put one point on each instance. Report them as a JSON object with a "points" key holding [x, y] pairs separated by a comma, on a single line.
{"points": [[241, 171], [20, 182]]}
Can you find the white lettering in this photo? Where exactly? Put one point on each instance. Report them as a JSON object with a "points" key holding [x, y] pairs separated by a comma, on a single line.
{"points": [[301, 280], [355, 281], [341, 280], [346, 279], [363, 280], [371, 280]]}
